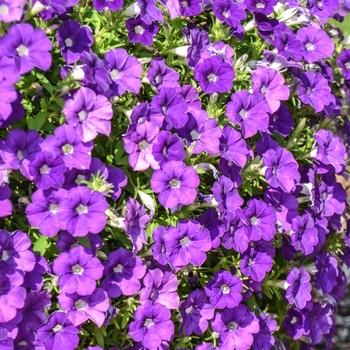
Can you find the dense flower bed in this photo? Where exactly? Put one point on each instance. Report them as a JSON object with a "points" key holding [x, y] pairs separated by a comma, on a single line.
{"points": [[170, 173]]}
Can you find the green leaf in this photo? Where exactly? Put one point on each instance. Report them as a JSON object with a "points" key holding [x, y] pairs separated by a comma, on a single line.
{"points": [[39, 120], [31, 123], [99, 337], [41, 245], [267, 291], [84, 241]]}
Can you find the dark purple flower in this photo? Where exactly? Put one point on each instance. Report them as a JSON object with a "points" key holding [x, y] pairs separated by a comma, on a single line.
{"points": [[143, 112], [264, 339], [123, 272], [299, 287], [195, 312], [58, 333], [314, 90], [229, 11], [297, 322], [316, 43], [330, 150], [158, 248], [35, 279], [136, 221], [190, 8], [47, 171], [343, 61], [113, 5], [203, 131], [304, 234], [78, 271], [20, 148], [270, 83], [124, 71], [141, 32], [81, 308], [281, 169], [15, 251], [236, 328], [187, 243], [224, 290], [117, 178], [89, 113], [176, 184], [67, 144], [44, 210], [257, 261], [151, 325], [258, 220], [160, 287], [160, 75], [210, 220], [83, 211], [28, 47], [327, 272], [172, 105], [8, 96], [281, 121], [73, 39], [249, 111], [199, 41], [214, 75]]}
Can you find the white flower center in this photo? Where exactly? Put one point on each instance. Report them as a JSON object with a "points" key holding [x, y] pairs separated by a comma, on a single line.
{"points": [[225, 289], [4, 255], [139, 30], [20, 155], [44, 169], [309, 47], [4, 9], [82, 115], [77, 269], [263, 89], [115, 74], [67, 149], [212, 78], [80, 304], [232, 326], [184, 241], [143, 144], [189, 310], [195, 135], [243, 113], [347, 65], [53, 208], [81, 209], [22, 50], [226, 14], [23, 343], [293, 320], [174, 183], [57, 328], [253, 220], [68, 42], [184, 3], [79, 179], [118, 268], [260, 5], [148, 322]]}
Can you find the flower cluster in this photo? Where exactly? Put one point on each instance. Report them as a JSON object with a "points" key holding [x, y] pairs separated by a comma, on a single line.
{"points": [[170, 181]]}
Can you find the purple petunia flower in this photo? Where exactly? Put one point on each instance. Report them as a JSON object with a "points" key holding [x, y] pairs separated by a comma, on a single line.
{"points": [[47, 171], [58, 333], [316, 42], [224, 290], [297, 322], [67, 144], [327, 272], [261, 6], [176, 184], [214, 75], [314, 90], [83, 211], [113, 5], [78, 270], [124, 71], [229, 11], [187, 243], [210, 220], [28, 47], [81, 308], [117, 178], [270, 83], [141, 32], [249, 111], [281, 121], [236, 328], [343, 61], [189, 8], [11, 10], [160, 75], [152, 325], [15, 252], [299, 287], [73, 39], [136, 221], [158, 248], [195, 312], [122, 273], [149, 11], [160, 287], [264, 339], [89, 113], [257, 261], [281, 169]]}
